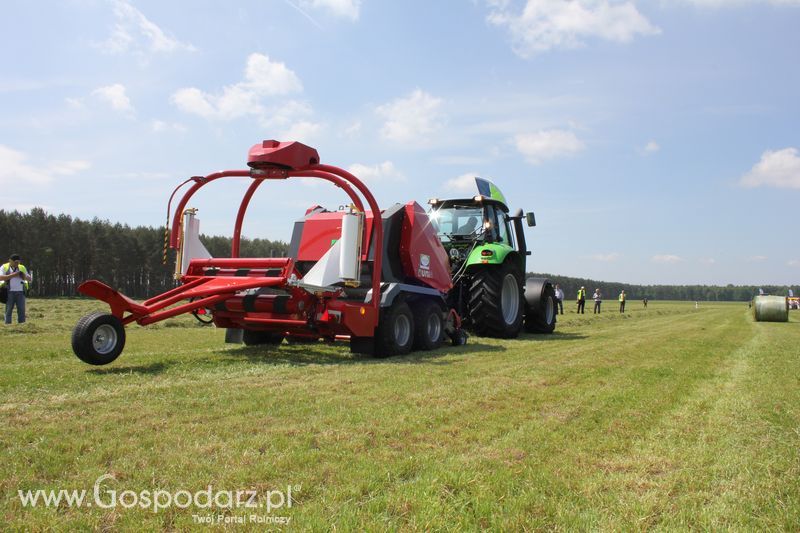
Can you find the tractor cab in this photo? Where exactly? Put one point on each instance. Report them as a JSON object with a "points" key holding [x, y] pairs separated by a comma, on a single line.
{"points": [[480, 223]]}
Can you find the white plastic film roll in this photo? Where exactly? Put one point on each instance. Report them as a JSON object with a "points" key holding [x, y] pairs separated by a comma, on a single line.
{"points": [[350, 258]]}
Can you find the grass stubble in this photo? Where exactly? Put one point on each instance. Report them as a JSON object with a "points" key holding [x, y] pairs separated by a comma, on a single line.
{"points": [[665, 418]]}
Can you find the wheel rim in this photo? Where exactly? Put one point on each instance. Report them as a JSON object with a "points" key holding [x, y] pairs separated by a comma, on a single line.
{"points": [[434, 327], [549, 310], [509, 299], [104, 339], [402, 330]]}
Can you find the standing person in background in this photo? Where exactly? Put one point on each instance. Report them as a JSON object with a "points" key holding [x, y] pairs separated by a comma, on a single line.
{"points": [[598, 299], [622, 302], [645, 302], [16, 277], [559, 299], [581, 299]]}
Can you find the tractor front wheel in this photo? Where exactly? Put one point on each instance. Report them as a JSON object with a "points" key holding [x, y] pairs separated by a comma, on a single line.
{"points": [[98, 338], [496, 301]]}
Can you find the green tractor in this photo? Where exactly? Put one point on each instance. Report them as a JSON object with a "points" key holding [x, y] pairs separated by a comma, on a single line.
{"points": [[487, 252]]}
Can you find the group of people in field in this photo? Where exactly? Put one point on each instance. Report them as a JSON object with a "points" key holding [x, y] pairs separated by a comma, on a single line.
{"points": [[597, 297]]}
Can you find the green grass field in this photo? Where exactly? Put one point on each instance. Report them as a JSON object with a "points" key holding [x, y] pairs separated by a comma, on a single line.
{"points": [[668, 418]]}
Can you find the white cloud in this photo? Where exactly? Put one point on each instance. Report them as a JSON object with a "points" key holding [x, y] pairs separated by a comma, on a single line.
{"points": [[731, 3], [779, 168], [74, 103], [269, 78], [17, 172], [606, 258], [543, 25], [69, 168], [159, 126], [353, 129], [462, 183], [651, 147], [262, 78], [793, 262], [290, 120], [341, 8], [303, 131], [115, 96], [411, 118], [385, 171], [666, 259], [135, 32], [193, 100], [464, 160], [547, 144]]}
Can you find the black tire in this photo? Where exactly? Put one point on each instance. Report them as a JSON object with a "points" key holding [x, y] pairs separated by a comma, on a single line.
{"points": [[300, 341], [362, 345], [459, 338], [98, 338], [395, 332], [203, 315], [543, 318], [490, 315], [428, 326], [257, 338]]}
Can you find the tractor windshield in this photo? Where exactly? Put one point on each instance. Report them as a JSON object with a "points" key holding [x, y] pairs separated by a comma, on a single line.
{"points": [[458, 222]]}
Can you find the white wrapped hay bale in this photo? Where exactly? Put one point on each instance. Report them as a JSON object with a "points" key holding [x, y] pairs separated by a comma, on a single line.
{"points": [[771, 309]]}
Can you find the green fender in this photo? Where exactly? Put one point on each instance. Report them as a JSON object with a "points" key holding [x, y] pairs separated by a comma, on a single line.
{"points": [[498, 256]]}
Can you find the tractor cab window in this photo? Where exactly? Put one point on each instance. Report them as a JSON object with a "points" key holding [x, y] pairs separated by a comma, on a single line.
{"points": [[454, 223], [498, 232]]}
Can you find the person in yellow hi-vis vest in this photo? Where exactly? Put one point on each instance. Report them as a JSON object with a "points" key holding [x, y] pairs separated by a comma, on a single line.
{"points": [[622, 302], [15, 277], [581, 299]]}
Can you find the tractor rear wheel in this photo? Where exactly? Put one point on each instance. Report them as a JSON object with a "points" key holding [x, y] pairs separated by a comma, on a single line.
{"points": [[496, 301], [395, 332], [428, 326], [98, 338], [257, 338], [543, 319]]}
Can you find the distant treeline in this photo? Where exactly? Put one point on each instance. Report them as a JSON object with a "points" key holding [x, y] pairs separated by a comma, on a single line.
{"points": [[63, 252], [712, 293]]}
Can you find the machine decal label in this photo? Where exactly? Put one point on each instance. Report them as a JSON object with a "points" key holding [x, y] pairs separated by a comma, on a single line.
{"points": [[424, 261], [424, 270]]}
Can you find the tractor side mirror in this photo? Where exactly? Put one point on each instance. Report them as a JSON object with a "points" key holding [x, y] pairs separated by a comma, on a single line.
{"points": [[530, 218]]}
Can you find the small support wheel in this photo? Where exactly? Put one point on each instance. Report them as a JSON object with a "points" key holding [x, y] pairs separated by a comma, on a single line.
{"points": [[459, 337], [204, 315], [98, 338]]}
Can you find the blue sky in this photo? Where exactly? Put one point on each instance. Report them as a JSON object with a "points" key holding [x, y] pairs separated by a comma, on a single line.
{"points": [[656, 141]]}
